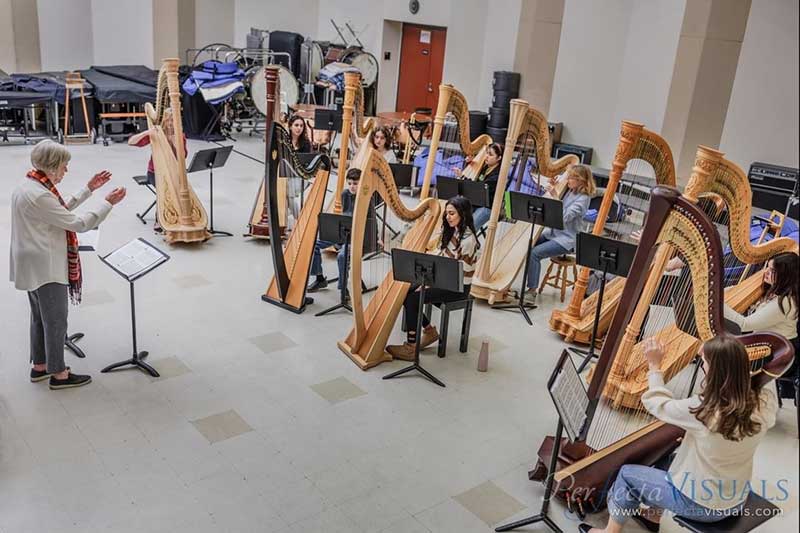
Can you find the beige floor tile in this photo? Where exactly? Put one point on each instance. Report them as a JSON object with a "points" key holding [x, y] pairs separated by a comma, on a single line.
{"points": [[221, 426], [191, 281], [170, 367], [272, 342], [338, 390], [489, 502]]}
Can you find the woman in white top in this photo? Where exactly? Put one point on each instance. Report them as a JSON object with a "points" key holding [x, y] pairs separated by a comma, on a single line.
{"points": [[777, 310], [44, 257], [379, 138], [709, 479]]}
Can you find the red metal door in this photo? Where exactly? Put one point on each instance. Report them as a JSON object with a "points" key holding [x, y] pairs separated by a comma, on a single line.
{"points": [[421, 65]]}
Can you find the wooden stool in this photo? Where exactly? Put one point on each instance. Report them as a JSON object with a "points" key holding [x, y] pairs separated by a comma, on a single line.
{"points": [[560, 280]]}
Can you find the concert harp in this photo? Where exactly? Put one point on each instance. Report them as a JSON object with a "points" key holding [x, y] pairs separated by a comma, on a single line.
{"points": [[453, 106], [366, 342], [180, 213], [259, 225], [292, 262], [613, 437], [504, 255], [636, 144], [355, 127]]}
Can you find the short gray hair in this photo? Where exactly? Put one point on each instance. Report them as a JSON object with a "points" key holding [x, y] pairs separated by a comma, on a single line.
{"points": [[48, 156]]}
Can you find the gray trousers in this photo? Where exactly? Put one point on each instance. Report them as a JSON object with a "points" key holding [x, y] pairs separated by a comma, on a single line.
{"points": [[49, 306]]}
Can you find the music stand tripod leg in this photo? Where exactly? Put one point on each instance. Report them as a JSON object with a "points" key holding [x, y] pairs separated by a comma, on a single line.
{"points": [[416, 366], [522, 305], [589, 355], [548, 491], [136, 359], [343, 291], [69, 344], [211, 204]]}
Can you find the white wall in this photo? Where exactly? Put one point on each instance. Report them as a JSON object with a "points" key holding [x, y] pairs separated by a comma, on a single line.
{"points": [[389, 71], [122, 32], [299, 16], [463, 56], [65, 34], [214, 22], [761, 124], [615, 62], [8, 57], [499, 46]]}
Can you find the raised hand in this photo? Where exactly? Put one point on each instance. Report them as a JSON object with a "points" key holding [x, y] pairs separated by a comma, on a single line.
{"points": [[98, 180], [116, 196], [653, 352]]}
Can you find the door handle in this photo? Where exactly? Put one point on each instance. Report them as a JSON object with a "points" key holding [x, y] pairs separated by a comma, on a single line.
{"points": [[430, 87]]}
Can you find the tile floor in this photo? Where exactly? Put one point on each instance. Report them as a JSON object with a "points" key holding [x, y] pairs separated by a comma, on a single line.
{"points": [[258, 422]]}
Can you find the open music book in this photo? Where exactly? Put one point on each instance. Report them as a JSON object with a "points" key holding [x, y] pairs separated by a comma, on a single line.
{"points": [[135, 259]]}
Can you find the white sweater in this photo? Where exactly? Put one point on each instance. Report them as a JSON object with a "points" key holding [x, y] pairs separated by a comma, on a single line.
{"points": [[767, 317], [38, 240], [709, 469]]}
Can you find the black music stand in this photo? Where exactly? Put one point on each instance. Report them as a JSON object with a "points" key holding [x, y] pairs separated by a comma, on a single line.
{"points": [[571, 401], [425, 271], [336, 229], [478, 193], [89, 245], [611, 257], [328, 119], [133, 261], [210, 159], [536, 210]]}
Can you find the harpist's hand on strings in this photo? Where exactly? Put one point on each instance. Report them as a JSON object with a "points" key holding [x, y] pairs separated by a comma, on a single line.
{"points": [[653, 352]]}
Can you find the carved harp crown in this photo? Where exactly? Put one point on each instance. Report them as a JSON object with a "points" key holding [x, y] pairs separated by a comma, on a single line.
{"points": [[452, 101], [713, 174]]}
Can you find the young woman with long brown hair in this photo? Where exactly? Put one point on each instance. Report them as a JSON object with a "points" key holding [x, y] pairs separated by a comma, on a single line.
{"points": [[380, 138], [709, 479]]}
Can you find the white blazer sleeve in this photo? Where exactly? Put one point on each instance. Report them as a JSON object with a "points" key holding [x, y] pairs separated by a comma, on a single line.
{"points": [[659, 402], [51, 211], [78, 198]]}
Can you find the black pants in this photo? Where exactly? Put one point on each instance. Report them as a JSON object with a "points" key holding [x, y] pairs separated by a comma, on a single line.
{"points": [[432, 296]]}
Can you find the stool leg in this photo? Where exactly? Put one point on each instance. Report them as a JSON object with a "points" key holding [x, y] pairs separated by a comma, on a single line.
{"points": [[465, 324], [564, 273], [442, 349], [546, 277]]}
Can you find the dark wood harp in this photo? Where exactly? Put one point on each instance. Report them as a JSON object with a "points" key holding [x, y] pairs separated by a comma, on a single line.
{"points": [[614, 437], [365, 344], [259, 225], [292, 262], [576, 321]]}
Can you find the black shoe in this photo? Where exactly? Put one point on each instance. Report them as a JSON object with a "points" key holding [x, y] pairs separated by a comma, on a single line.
{"points": [[584, 528], [317, 284], [649, 525], [40, 375], [71, 381]]}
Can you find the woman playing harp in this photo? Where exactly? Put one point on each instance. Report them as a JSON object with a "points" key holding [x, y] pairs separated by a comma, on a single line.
{"points": [[180, 213], [639, 152], [613, 436], [366, 342]]}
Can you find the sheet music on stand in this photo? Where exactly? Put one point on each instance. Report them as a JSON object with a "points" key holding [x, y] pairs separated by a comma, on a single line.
{"points": [[569, 395], [135, 259]]}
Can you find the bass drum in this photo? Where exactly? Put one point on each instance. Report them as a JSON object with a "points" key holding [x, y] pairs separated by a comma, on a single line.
{"points": [[364, 62], [256, 80], [311, 60]]}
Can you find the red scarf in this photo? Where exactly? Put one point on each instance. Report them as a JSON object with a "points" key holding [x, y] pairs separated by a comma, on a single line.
{"points": [[73, 259]]}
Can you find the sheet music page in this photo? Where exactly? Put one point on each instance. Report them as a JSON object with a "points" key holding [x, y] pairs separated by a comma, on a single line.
{"points": [[570, 398], [134, 258]]}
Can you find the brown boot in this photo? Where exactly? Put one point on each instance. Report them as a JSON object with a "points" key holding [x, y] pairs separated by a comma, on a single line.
{"points": [[429, 336], [404, 352]]}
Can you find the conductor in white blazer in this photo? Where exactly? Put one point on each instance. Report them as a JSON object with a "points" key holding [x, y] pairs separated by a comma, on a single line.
{"points": [[44, 257]]}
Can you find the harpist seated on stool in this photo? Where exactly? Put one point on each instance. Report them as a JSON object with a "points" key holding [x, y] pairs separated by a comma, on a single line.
{"points": [[458, 241], [710, 477]]}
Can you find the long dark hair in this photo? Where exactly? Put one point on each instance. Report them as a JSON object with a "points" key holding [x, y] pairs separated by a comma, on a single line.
{"points": [[303, 144], [464, 209], [729, 397], [785, 284], [387, 134]]}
